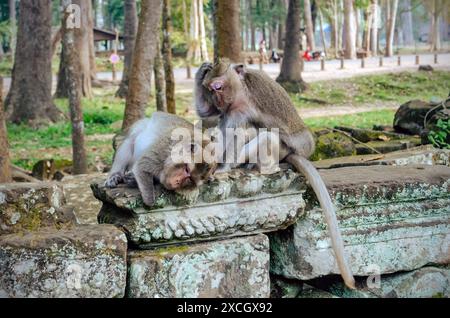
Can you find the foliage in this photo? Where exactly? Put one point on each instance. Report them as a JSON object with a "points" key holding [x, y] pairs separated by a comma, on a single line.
{"points": [[439, 136]]}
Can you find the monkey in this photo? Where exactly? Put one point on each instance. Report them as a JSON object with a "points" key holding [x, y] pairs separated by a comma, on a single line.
{"points": [[241, 97], [145, 156]]}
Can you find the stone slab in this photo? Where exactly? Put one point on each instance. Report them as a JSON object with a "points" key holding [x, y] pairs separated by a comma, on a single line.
{"points": [[30, 206], [426, 282], [425, 155], [392, 219], [79, 195], [81, 261], [236, 267], [232, 205]]}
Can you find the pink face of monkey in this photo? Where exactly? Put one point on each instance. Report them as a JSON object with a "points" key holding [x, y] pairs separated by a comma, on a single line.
{"points": [[179, 176]]}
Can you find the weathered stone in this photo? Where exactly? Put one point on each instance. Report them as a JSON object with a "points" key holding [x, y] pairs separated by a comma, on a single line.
{"points": [[309, 291], [387, 146], [426, 155], [232, 268], [333, 145], [82, 261], [366, 135], [391, 218], [425, 282], [426, 68], [222, 209], [409, 118], [78, 194], [52, 169], [281, 287], [30, 206]]}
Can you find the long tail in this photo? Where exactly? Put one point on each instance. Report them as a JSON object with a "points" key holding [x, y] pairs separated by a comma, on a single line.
{"points": [[316, 182]]}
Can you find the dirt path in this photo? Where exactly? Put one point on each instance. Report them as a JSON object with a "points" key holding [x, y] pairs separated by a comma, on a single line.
{"points": [[326, 111]]}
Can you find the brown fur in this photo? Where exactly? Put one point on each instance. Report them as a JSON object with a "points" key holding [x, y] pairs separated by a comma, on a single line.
{"points": [[249, 98]]}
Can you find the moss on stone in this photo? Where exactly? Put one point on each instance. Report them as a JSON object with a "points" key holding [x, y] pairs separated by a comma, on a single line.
{"points": [[332, 145]]}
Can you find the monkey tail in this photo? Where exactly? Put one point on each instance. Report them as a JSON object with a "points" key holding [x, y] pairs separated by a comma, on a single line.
{"points": [[316, 182]]}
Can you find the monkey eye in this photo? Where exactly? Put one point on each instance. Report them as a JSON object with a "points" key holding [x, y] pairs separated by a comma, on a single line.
{"points": [[216, 86]]}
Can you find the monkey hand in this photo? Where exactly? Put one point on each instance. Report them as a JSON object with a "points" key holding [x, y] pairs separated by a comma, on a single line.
{"points": [[148, 198], [202, 71], [114, 179]]}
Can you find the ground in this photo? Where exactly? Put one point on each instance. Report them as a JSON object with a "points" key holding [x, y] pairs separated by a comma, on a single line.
{"points": [[360, 101]]}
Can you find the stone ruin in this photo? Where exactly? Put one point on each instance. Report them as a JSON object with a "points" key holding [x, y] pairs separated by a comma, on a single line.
{"points": [[241, 235]]}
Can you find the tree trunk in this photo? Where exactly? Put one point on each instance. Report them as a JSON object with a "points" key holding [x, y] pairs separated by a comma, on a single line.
{"points": [[201, 19], [57, 37], [29, 99], [160, 82], [130, 29], [5, 164], [390, 29], [187, 39], [90, 39], [290, 76], [13, 25], [435, 37], [167, 55], [227, 42], [309, 26], [406, 23], [194, 52], [357, 23], [322, 33], [73, 43], [141, 70], [350, 39], [374, 27], [368, 17], [84, 51]]}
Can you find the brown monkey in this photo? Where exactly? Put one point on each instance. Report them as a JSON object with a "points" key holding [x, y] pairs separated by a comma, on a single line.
{"points": [[249, 98], [146, 154]]}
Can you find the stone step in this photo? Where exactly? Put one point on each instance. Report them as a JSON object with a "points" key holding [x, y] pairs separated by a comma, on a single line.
{"points": [[426, 155], [236, 204], [80, 261], [387, 146], [233, 268], [30, 206], [392, 218]]}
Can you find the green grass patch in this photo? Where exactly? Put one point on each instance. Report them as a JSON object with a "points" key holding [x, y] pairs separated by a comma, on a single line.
{"points": [[395, 87], [359, 120]]}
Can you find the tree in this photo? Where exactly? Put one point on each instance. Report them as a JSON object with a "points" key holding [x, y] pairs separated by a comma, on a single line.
{"points": [[187, 39], [390, 29], [374, 27], [13, 24], [85, 52], [160, 81], [29, 99], [406, 22], [129, 33], [5, 166], [227, 41], [72, 43], [349, 30], [309, 26], [167, 56], [290, 76], [141, 69], [436, 8]]}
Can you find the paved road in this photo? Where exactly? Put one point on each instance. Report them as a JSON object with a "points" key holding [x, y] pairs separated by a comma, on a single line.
{"points": [[312, 70]]}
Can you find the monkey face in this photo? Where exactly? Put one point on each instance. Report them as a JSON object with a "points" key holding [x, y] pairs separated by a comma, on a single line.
{"points": [[178, 176]]}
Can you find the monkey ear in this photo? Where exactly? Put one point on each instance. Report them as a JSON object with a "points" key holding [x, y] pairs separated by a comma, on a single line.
{"points": [[240, 70]]}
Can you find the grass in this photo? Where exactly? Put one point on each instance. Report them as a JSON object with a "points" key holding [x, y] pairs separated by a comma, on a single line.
{"points": [[396, 87], [361, 120]]}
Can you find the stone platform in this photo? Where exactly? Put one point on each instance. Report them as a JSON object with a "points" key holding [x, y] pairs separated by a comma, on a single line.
{"points": [[392, 218], [236, 204]]}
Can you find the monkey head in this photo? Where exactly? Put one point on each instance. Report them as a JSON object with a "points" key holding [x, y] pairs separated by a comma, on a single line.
{"points": [[222, 82], [176, 176]]}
